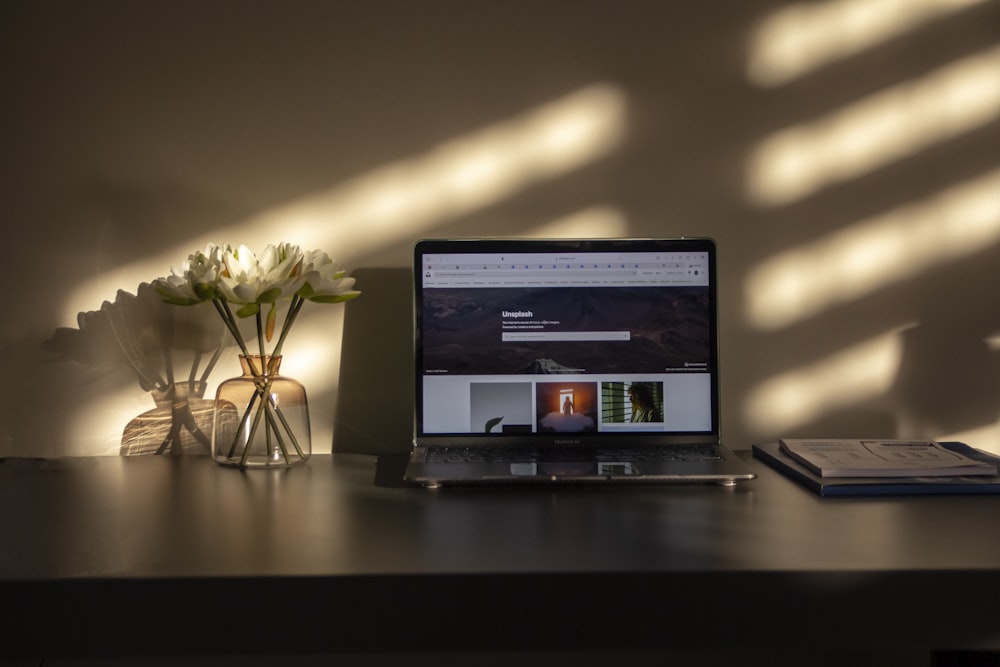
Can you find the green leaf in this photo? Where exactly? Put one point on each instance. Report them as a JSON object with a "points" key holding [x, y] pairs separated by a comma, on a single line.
{"points": [[493, 422], [270, 296], [248, 309], [333, 298]]}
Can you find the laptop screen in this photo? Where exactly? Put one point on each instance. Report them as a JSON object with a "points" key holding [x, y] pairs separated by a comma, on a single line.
{"points": [[565, 341]]}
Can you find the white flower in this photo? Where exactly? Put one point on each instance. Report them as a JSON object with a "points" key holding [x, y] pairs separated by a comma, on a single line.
{"points": [[323, 281], [251, 280], [195, 281], [223, 275]]}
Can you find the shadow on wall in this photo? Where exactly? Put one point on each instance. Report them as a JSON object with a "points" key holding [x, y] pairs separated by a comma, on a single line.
{"points": [[890, 157], [170, 351], [391, 203], [374, 412], [855, 166]]}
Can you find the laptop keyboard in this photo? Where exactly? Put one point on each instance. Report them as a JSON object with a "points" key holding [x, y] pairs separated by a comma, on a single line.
{"points": [[507, 454]]}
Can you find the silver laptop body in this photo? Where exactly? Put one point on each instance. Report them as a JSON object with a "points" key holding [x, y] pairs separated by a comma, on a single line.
{"points": [[567, 361]]}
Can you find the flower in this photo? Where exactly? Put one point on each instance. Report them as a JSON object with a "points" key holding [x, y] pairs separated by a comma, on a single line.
{"points": [[196, 280], [323, 282], [251, 280], [223, 275]]}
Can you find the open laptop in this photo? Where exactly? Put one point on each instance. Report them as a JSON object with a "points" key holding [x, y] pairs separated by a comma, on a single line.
{"points": [[567, 361]]}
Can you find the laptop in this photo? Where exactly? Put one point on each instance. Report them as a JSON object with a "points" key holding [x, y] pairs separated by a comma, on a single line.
{"points": [[567, 361]]}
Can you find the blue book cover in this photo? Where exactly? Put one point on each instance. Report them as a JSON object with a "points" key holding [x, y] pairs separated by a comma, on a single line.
{"points": [[771, 454]]}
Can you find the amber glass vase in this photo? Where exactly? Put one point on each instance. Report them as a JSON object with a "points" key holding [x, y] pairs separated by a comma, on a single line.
{"points": [[261, 417]]}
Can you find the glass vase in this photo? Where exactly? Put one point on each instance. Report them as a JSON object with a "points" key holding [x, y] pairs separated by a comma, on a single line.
{"points": [[261, 417]]}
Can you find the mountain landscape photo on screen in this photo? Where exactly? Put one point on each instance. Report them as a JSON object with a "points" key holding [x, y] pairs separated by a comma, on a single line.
{"points": [[664, 330]]}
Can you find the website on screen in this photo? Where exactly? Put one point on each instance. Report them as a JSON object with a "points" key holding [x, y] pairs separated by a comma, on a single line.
{"points": [[557, 342]]}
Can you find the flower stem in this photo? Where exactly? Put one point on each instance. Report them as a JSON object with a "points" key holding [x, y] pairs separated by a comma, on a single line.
{"points": [[293, 312], [276, 429], [250, 437], [290, 432], [227, 317], [267, 410], [275, 424], [260, 337], [242, 425]]}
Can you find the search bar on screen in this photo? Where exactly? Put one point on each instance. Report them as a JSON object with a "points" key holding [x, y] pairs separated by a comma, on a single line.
{"points": [[564, 336]]}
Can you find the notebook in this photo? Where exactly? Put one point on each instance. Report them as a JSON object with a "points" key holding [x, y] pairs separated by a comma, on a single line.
{"points": [[567, 361]]}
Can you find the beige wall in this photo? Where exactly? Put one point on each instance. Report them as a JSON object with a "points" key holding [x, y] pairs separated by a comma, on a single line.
{"points": [[856, 204]]}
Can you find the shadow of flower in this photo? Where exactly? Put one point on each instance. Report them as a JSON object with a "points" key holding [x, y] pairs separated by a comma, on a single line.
{"points": [[154, 340]]}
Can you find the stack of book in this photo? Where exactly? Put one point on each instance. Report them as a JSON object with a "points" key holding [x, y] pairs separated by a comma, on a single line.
{"points": [[883, 467]]}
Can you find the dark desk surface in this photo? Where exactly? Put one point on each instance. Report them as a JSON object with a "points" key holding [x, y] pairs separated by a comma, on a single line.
{"points": [[181, 553]]}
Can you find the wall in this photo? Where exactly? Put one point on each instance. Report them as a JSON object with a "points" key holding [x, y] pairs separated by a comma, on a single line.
{"points": [[856, 202]]}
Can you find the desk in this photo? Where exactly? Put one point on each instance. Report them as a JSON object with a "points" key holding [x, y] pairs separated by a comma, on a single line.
{"points": [[176, 555]]}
